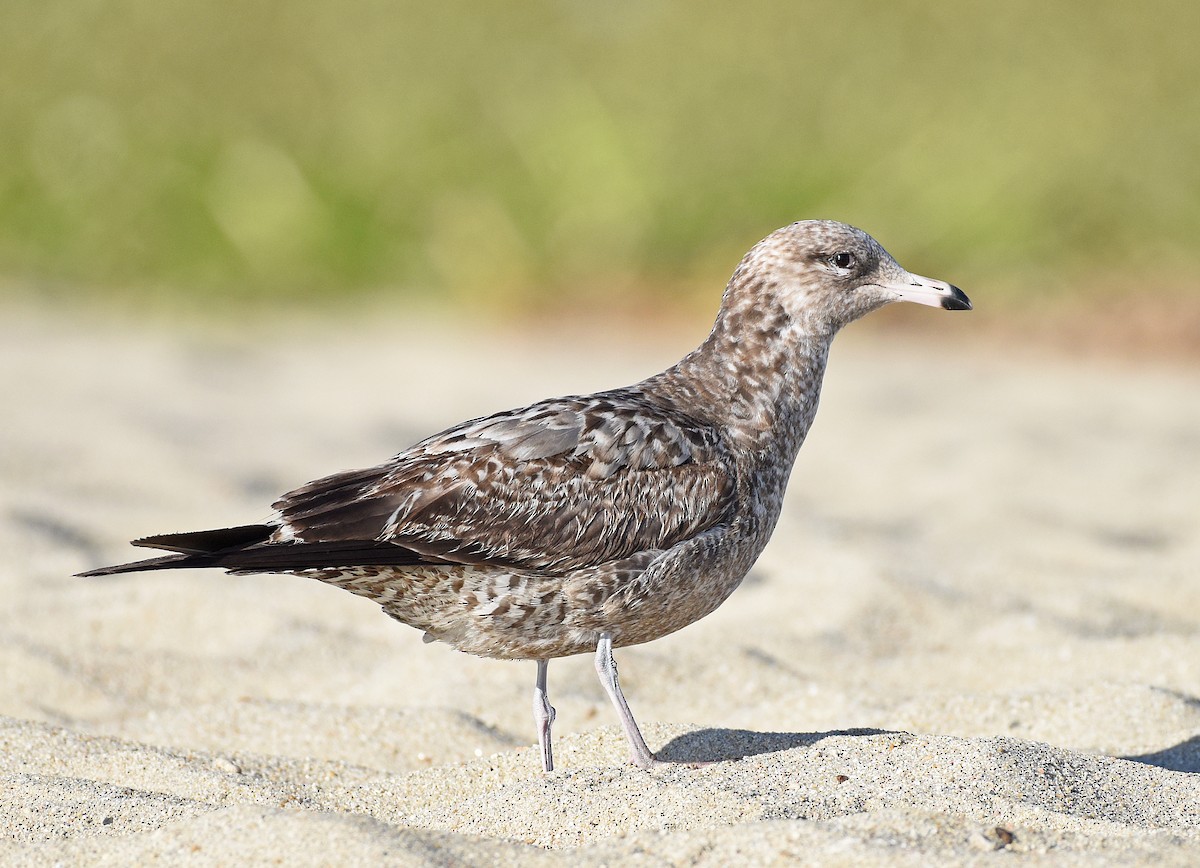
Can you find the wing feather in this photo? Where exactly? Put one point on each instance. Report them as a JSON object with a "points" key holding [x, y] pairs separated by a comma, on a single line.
{"points": [[563, 484]]}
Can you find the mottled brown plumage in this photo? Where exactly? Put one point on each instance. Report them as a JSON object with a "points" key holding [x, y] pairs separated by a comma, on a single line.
{"points": [[596, 521]]}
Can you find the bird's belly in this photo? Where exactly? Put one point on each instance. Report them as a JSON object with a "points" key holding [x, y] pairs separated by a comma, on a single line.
{"points": [[516, 614], [480, 610]]}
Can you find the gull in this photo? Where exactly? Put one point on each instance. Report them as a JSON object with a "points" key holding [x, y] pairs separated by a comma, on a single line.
{"points": [[591, 522]]}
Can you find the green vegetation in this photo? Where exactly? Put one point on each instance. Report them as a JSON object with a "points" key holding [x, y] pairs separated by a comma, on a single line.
{"points": [[520, 152]]}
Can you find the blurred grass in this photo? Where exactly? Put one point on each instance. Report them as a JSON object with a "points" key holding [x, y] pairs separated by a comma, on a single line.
{"points": [[531, 153]]}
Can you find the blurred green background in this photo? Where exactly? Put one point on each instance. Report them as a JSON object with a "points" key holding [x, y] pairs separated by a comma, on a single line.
{"points": [[523, 154]]}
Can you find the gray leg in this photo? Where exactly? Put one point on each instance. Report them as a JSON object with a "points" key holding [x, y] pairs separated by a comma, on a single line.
{"points": [[543, 715], [606, 668]]}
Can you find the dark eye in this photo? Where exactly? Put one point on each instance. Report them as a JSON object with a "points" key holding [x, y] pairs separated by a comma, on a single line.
{"points": [[842, 260]]}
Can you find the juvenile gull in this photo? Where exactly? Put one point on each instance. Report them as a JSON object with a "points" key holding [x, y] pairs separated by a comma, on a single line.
{"points": [[590, 522]]}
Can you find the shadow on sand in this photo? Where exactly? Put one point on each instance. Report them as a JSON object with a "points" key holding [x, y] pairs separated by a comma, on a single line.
{"points": [[1183, 757], [720, 745]]}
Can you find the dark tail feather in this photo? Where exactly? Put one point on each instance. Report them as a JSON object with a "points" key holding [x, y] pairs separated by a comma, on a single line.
{"points": [[169, 562]]}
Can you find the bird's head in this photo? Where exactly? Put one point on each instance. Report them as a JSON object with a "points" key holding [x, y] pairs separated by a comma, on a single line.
{"points": [[825, 274]]}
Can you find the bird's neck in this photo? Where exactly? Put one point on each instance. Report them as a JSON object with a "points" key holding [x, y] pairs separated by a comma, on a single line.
{"points": [[757, 375]]}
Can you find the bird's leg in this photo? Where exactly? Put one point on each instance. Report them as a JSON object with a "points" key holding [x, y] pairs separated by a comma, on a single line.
{"points": [[543, 715], [606, 668]]}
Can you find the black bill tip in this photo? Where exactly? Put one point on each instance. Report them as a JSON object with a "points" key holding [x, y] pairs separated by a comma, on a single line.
{"points": [[956, 300]]}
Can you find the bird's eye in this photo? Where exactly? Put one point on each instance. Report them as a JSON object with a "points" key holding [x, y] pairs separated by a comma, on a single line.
{"points": [[842, 260]]}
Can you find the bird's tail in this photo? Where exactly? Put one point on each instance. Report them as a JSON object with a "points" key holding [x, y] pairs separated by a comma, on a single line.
{"points": [[201, 548], [248, 549]]}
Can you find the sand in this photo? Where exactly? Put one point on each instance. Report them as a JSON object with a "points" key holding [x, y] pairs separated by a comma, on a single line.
{"points": [[975, 636]]}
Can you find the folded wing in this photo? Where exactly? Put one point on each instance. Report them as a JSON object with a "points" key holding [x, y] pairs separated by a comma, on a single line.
{"points": [[537, 488]]}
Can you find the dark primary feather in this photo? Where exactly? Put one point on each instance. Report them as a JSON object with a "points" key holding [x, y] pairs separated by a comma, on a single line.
{"points": [[265, 557], [207, 541]]}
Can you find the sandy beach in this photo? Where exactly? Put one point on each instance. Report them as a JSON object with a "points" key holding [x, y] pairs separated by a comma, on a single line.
{"points": [[975, 634]]}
